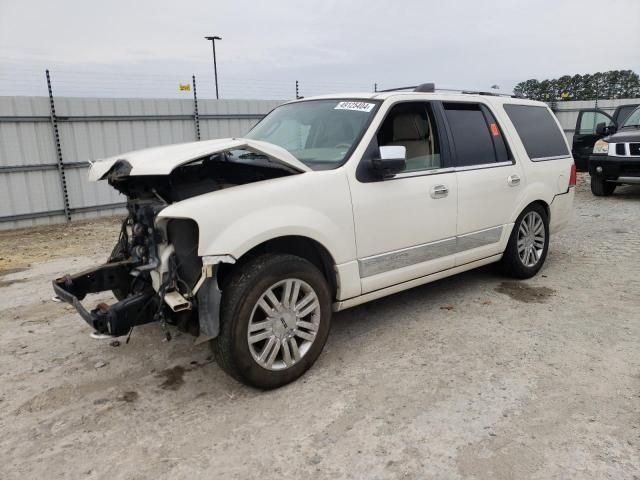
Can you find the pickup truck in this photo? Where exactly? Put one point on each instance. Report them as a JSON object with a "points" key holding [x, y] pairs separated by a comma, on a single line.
{"points": [[592, 125], [616, 157]]}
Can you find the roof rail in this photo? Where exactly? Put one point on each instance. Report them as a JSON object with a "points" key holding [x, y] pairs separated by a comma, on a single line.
{"points": [[431, 87], [396, 89]]}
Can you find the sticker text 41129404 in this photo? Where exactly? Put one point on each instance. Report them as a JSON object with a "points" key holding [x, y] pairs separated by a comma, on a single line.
{"points": [[355, 106]]}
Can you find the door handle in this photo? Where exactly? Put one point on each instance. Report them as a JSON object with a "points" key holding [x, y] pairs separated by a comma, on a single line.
{"points": [[513, 180], [439, 191]]}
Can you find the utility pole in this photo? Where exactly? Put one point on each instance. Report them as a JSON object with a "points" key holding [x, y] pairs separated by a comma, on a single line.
{"points": [[215, 67]]}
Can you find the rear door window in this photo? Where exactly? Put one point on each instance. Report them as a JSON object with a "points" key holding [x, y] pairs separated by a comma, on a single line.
{"points": [[538, 130], [477, 137]]}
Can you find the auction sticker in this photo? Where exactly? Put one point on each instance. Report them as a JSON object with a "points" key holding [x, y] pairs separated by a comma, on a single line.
{"points": [[355, 106]]}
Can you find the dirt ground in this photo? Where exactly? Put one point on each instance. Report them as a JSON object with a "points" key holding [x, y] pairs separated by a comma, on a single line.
{"points": [[472, 377]]}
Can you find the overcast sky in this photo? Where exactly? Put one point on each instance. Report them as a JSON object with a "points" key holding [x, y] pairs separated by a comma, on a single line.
{"points": [[123, 48]]}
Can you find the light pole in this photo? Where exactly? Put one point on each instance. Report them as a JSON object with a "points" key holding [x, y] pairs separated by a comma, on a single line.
{"points": [[215, 68]]}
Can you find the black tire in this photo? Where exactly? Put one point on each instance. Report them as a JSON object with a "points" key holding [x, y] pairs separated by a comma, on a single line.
{"points": [[600, 187], [511, 264], [247, 284]]}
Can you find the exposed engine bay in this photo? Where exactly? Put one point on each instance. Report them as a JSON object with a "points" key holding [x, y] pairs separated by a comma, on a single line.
{"points": [[154, 270], [198, 177]]}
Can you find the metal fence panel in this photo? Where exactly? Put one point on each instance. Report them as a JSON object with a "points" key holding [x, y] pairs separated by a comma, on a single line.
{"points": [[91, 129], [94, 128], [23, 193], [29, 141], [242, 115]]}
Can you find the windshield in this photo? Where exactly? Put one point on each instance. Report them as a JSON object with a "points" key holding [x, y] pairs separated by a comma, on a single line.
{"points": [[319, 133], [633, 120]]}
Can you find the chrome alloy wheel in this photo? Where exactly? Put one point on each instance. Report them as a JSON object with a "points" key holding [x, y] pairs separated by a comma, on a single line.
{"points": [[283, 324], [531, 238]]}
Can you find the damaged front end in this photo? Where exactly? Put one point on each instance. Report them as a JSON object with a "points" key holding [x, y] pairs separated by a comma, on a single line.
{"points": [[155, 274], [154, 270]]}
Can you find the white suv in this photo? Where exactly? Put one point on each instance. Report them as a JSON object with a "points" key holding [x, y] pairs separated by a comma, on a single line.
{"points": [[327, 203]]}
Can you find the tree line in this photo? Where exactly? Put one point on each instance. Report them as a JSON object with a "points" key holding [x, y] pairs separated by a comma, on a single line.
{"points": [[600, 85]]}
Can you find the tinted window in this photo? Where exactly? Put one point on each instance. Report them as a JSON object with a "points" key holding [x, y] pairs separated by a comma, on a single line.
{"points": [[538, 131], [412, 126], [624, 113], [472, 135]]}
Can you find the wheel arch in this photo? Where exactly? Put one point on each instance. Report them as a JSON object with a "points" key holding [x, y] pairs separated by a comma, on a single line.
{"points": [[538, 197], [298, 245], [543, 204], [521, 209]]}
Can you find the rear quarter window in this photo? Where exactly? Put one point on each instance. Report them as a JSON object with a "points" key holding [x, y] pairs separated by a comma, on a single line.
{"points": [[538, 130]]}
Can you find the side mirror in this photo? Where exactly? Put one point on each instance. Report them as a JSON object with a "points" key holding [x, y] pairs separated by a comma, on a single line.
{"points": [[393, 159], [602, 129]]}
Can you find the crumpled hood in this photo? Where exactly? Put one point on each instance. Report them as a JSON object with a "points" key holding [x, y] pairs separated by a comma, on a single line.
{"points": [[163, 160]]}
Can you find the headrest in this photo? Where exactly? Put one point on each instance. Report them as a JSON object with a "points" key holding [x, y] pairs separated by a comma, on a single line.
{"points": [[409, 126]]}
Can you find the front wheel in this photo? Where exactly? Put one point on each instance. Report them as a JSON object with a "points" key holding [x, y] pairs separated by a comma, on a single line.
{"points": [[528, 244], [600, 187], [275, 317]]}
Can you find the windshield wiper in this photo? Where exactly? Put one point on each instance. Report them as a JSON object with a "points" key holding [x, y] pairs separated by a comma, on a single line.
{"points": [[631, 126]]}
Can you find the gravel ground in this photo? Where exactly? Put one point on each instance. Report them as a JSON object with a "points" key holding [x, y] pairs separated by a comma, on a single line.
{"points": [[471, 377]]}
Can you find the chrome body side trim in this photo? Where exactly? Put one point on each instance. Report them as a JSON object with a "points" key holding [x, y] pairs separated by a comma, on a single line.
{"points": [[407, 256], [557, 157], [478, 239], [484, 165], [386, 262], [438, 171], [422, 173]]}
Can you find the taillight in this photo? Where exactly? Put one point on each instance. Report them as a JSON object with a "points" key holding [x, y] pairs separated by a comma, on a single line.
{"points": [[572, 176]]}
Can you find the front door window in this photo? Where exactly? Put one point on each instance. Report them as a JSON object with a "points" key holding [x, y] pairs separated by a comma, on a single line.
{"points": [[412, 126]]}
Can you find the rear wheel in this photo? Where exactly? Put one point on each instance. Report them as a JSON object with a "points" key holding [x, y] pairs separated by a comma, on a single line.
{"points": [[528, 244], [600, 187], [275, 317]]}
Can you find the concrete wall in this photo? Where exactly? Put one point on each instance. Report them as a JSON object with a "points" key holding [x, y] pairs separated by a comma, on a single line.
{"points": [[31, 190]]}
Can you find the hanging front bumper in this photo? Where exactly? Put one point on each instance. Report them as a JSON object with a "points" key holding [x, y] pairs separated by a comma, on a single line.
{"points": [[117, 319]]}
